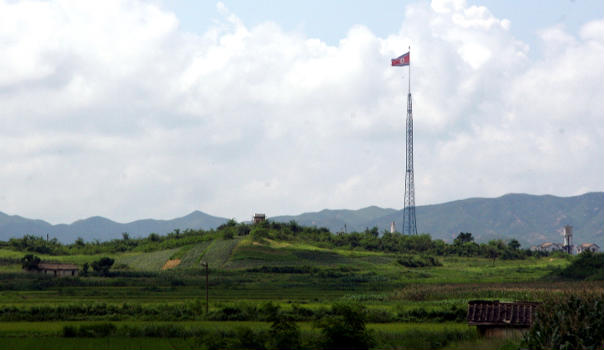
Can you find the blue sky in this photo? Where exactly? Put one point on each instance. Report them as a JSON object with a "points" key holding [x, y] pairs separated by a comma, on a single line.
{"points": [[134, 109], [331, 20]]}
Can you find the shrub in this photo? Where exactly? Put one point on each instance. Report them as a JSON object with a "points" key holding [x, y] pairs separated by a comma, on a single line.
{"points": [[70, 331], [284, 334], [585, 265], [246, 338], [102, 265], [30, 262], [240, 312], [417, 261], [380, 316], [259, 233], [243, 230], [97, 330], [284, 269], [344, 328]]}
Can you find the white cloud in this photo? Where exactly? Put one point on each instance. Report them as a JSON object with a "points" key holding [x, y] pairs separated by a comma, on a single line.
{"points": [[108, 108]]}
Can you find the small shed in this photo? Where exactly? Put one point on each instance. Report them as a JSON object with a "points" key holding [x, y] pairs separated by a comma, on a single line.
{"points": [[258, 218], [501, 320], [57, 269]]}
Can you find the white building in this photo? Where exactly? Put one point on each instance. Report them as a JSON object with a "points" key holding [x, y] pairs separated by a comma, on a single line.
{"points": [[549, 247], [592, 247]]}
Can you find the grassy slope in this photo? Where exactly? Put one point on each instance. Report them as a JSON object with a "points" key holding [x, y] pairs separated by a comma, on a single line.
{"points": [[152, 261], [243, 253], [375, 279]]}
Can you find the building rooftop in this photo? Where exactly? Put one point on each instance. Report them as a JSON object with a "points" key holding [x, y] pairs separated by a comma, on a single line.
{"points": [[494, 313], [57, 266]]}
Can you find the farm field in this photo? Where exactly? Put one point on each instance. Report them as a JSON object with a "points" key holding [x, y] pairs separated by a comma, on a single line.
{"points": [[156, 297], [42, 335]]}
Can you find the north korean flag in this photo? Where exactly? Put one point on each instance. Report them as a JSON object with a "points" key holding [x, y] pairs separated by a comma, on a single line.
{"points": [[401, 60]]}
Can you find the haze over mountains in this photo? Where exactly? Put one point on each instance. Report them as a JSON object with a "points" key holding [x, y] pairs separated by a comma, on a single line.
{"points": [[529, 218]]}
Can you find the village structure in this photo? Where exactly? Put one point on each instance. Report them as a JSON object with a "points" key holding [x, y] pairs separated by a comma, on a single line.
{"points": [[501, 320], [57, 269], [567, 244], [258, 218]]}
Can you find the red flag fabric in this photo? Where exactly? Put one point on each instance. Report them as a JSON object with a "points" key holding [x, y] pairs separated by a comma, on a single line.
{"points": [[401, 60]]}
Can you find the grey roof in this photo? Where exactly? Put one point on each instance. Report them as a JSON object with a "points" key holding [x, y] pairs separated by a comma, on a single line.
{"points": [[494, 313], [57, 266]]}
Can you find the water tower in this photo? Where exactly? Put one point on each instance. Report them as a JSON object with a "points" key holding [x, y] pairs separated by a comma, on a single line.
{"points": [[568, 239]]}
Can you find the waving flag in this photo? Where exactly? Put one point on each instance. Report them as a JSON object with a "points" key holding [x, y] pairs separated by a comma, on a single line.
{"points": [[401, 60]]}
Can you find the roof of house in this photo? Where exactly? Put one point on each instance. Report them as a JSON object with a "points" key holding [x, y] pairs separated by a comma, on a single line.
{"points": [[494, 313], [259, 215], [57, 266], [587, 245], [549, 244]]}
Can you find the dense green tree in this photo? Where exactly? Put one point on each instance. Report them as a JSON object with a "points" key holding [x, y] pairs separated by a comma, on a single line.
{"points": [[102, 266], [491, 252], [586, 265], [284, 333], [243, 230], [514, 244], [463, 237], [229, 223], [344, 328], [294, 227], [30, 262]]}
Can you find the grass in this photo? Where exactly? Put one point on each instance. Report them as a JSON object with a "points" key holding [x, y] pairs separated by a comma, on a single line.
{"points": [[42, 335], [50, 329], [192, 257], [219, 252], [153, 261], [374, 279], [78, 259], [117, 343]]}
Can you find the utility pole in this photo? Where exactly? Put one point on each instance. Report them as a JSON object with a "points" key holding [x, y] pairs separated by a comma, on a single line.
{"points": [[205, 264]]}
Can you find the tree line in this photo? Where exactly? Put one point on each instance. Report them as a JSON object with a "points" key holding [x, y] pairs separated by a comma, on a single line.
{"points": [[370, 239]]}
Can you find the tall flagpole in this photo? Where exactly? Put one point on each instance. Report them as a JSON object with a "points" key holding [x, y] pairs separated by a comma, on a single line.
{"points": [[409, 223]]}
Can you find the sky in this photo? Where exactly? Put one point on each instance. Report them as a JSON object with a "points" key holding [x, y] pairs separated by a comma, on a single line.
{"points": [[153, 109]]}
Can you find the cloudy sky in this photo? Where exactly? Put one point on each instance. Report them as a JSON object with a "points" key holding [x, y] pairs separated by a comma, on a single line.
{"points": [[132, 110]]}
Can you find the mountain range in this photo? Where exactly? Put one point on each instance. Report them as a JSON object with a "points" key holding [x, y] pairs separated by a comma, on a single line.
{"points": [[101, 228], [532, 219]]}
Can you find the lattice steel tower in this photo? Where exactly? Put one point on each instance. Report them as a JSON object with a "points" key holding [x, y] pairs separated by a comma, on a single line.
{"points": [[409, 224]]}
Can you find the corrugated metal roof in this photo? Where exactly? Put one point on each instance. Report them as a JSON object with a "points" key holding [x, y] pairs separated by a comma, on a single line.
{"points": [[494, 313], [55, 266]]}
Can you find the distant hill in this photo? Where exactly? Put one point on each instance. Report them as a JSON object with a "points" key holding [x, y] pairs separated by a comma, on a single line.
{"points": [[100, 228], [529, 218], [355, 220]]}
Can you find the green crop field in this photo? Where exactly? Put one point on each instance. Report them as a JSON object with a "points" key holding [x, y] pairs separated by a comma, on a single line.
{"points": [[154, 295]]}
